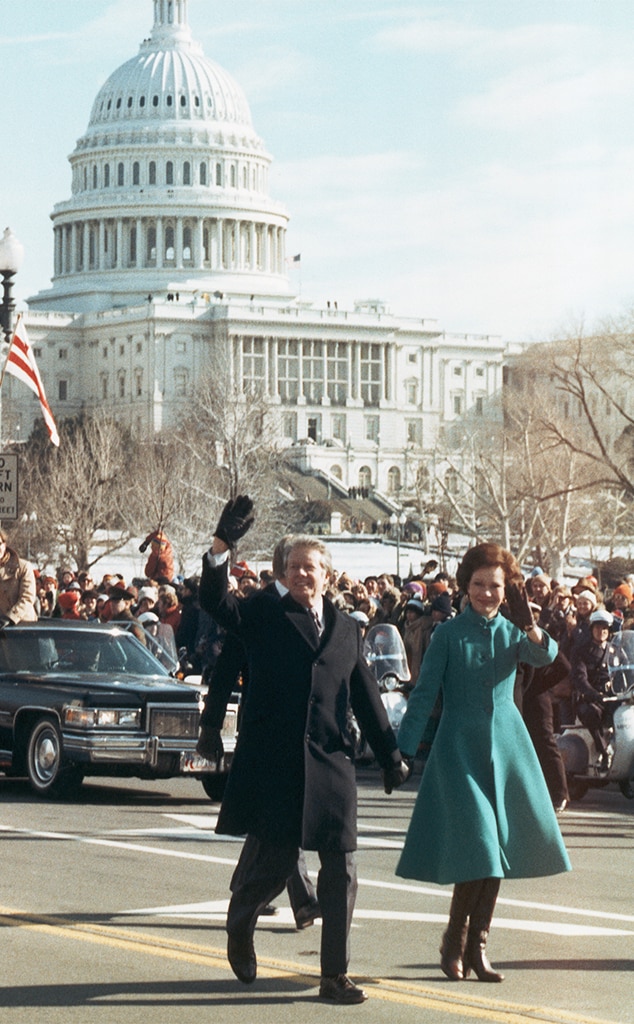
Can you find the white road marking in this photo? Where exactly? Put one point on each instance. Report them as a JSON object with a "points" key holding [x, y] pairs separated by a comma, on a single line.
{"points": [[418, 889], [217, 910]]}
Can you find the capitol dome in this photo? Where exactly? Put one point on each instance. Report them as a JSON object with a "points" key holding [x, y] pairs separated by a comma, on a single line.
{"points": [[169, 186]]}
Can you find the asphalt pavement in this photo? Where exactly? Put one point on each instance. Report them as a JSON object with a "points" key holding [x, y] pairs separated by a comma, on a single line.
{"points": [[112, 909]]}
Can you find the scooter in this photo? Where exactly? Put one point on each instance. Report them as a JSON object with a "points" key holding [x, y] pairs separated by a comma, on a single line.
{"points": [[582, 762]]}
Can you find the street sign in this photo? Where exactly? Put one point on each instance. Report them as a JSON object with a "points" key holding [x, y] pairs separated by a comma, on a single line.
{"points": [[8, 485]]}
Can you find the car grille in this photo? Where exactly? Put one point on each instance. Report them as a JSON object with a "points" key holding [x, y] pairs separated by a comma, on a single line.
{"points": [[177, 724]]}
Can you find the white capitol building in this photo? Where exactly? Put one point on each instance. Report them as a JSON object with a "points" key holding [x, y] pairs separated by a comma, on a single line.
{"points": [[170, 249]]}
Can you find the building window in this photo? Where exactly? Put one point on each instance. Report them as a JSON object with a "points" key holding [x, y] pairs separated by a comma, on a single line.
{"points": [[338, 426], [393, 480], [104, 385], [479, 371], [37, 351], [187, 243], [106, 176], [132, 245], [479, 406], [414, 432], [121, 384], [336, 471], [218, 174], [94, 176], [152, 173], [169, 242], [180, 383], [120, 174], [457, 405], [337, 370], [451, 481], [187, 173], [62, 390], [411, 392], [313, 371], [457, 371], [287, 370], [371, 425], [203, 174], [313, 428], [62, 353], [151, 246], [139, 346], [138, 382], [169, 173], [411, 357], [136, 173], [370, 373], [365, 478], [252, 362], [289, 426]]}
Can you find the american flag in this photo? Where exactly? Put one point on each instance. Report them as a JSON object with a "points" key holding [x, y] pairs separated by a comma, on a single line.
{"points": [[21, 364]]}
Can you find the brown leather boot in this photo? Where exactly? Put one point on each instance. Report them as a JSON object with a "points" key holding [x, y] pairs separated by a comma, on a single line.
{"points": [[465, 895], [475, 957]]}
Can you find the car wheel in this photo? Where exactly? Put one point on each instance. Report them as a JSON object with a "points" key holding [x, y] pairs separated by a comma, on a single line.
{"points": [[214, 786], [627, 788], [45, 768]]}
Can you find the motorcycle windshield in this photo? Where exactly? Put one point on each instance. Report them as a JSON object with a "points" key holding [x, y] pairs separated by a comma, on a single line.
{"points": [[621, 661], [384, 652]]}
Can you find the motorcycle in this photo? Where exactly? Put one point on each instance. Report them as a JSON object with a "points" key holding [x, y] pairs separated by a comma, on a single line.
{"points": [[581, 760], [384, 652]]}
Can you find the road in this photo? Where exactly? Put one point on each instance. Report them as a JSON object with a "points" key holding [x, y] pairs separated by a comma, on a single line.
{"points": [[112, 909]]}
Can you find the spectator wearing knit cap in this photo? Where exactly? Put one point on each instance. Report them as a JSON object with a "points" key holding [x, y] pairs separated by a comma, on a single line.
{"points": [[586, 602], [621, 602]]}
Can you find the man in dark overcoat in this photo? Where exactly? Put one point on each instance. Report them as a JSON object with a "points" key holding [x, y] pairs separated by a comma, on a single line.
{"points": [[292, 781]]}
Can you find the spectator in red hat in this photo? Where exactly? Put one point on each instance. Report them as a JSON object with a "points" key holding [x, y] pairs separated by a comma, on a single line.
{"points": [[68, 601]]}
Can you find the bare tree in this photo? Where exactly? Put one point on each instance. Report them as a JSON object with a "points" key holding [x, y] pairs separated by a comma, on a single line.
{"points": [[77, 489]]}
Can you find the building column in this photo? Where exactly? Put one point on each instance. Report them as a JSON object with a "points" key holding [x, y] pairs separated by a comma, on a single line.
{"points": [[86, 265], [178, 243], [119, 229], [254, 246], [159, 242], [140, 243], [101, 239]]}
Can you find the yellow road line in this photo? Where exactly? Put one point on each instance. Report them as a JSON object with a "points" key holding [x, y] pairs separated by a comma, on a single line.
{"points": [[404, 993]]}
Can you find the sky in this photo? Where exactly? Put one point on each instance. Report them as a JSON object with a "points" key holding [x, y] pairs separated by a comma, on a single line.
{"points": [[469, 161]]}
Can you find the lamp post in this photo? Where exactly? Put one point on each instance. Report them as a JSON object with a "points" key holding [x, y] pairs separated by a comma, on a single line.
{"points": [[28, 520], [11, 255], [398, 522]]}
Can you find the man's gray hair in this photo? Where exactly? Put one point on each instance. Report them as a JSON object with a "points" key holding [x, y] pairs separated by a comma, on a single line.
{"points": [[305, 540]]}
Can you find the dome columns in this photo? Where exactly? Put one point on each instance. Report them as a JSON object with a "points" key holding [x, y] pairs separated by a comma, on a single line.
{"points": [[200, 244]]}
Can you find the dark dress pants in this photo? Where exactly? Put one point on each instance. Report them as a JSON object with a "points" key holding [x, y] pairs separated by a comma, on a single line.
{"points": [[539, 720], [260, 876]]}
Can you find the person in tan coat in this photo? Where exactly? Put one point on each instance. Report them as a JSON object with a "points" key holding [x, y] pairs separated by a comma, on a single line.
{"points": [[17, 586]]}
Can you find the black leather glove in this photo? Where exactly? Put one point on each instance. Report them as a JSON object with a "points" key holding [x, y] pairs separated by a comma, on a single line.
{"points": [[144, 546], [518, 605], [235, 519], [210, 745], [396, 775]]}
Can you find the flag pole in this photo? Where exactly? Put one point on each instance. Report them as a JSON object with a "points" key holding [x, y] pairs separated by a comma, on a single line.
{"points": [[6, 358]]}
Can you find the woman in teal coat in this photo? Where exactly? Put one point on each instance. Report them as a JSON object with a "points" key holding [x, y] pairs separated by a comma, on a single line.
{"points": [[483, 811]]}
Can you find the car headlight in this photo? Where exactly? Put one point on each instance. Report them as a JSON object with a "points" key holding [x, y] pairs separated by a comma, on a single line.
{"points": [[102, 718]]}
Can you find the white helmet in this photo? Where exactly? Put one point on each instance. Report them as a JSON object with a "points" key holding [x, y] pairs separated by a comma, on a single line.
{"points": [[602, 617]]}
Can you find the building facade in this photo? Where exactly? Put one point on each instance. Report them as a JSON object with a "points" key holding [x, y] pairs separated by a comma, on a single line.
{"points": [[170, 253]]}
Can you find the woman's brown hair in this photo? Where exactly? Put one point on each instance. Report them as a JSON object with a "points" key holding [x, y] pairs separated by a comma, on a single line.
{"points": [[488, 554]]}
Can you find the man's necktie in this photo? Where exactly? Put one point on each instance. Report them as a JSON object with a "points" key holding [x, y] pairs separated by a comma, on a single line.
{"points": [[316, 620]]}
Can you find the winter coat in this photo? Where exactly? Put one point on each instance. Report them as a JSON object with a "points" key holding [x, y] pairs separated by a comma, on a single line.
{"points": [[292, 779], [483, 809], [17, 589]]}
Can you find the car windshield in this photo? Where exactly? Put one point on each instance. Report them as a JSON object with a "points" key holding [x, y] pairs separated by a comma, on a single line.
{"points": [[61, 650]]}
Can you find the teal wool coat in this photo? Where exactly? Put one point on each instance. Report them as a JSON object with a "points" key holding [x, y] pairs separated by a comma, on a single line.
{"points": [[483, 809]]}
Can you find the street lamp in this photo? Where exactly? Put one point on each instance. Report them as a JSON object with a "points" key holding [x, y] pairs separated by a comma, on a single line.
{"points": [[11, 255], [28, 520], [398, 522]]}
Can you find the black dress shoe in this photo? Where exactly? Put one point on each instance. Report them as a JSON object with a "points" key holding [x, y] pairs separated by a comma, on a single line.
{"points": [[241, 956], [270, 910], [307, 915], [339, 989]]}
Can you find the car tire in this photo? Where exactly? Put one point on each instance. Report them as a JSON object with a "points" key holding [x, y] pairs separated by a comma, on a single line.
{"points": [[47, 773], [214, 786]]}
